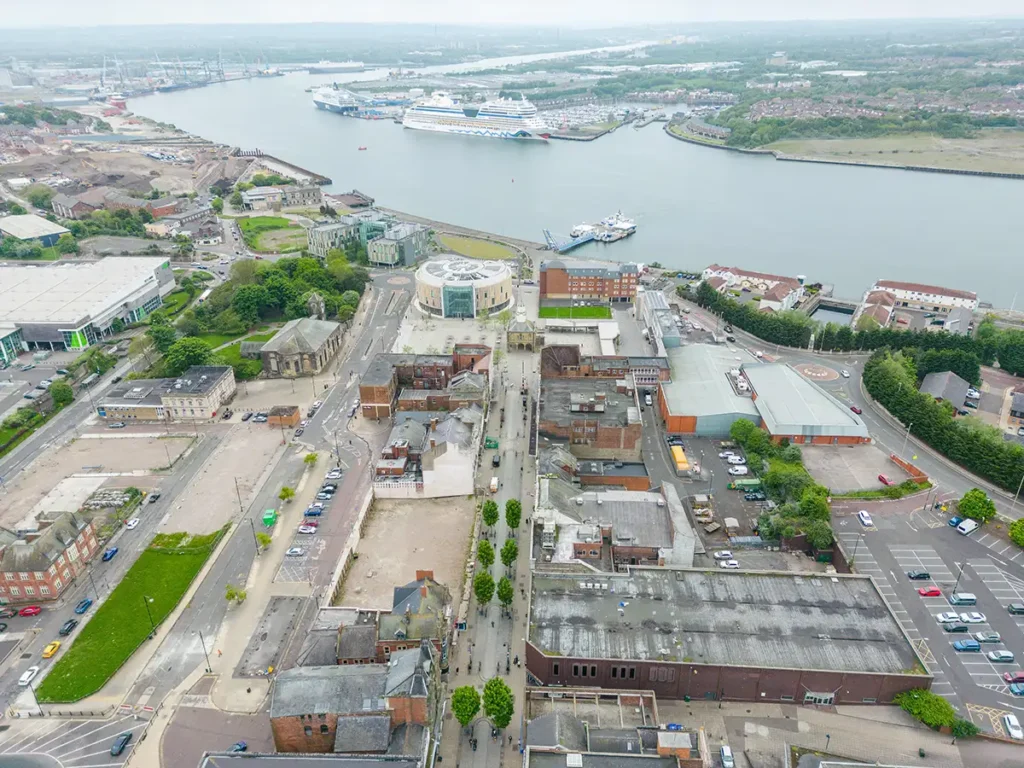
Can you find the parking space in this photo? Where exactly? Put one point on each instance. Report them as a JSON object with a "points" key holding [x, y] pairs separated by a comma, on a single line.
{"points": [[305, 566], [850, 468], [70, 743], [923, 558]]}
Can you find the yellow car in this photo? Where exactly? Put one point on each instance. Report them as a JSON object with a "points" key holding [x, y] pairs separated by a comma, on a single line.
{"points": [[51, 650]]}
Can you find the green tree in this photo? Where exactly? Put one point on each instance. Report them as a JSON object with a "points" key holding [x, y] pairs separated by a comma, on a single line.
{"points": [[741, 430], [345, 313], [249, 301], [244, 272], [263, 539], [40, 196], [976, 505], [1011, 352], [287, 493], [964, 364], [490, 512], [506, 593], [513, 513], [485, 553], [66, 243], [483, 587], [499, 704], [814, 503], [217, 204], [145, 216], [351, 298], [61, 393], [1016, 531], [16, 210], [504, 318], [185, 353], [234, 595], [235, 200], [141, 346], [163, 337], [465, 704], [819, 534], [310, 458], [509, 552]]}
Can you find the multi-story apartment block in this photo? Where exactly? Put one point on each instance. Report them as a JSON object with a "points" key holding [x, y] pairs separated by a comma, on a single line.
{"points": [[566, 279]]}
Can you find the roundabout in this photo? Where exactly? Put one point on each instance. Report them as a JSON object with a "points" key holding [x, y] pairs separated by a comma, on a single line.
{"points": [[815, 372]]}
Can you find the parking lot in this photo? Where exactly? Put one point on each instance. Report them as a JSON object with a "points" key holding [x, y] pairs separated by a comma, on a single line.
{"points": [[901, 541], [850, 468], [70, 743]]}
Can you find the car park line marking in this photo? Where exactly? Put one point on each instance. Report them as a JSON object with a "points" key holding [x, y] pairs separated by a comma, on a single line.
{"points": [[990, 714], [28, 736]]}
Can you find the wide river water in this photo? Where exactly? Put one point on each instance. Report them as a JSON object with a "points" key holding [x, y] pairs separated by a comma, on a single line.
{"points": [[693, 205]]}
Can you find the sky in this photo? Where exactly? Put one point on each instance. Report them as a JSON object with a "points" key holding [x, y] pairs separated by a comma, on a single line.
{"points": [[587, 13]]}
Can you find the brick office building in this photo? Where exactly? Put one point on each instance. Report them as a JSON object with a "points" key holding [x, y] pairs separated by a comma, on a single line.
{"points": [[767, 637], [564, 361], [605, 281], [37, 566], [389, 374], [598, 418]]}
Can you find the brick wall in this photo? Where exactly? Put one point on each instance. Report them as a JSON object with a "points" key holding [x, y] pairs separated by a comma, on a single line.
{"points": [[304, 733]]}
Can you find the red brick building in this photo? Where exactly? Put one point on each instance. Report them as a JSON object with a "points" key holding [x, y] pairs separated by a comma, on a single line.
{"points": [[597, 418], [38, 566], [389, 374], [564, 361], [605, 281], [356, 708]]}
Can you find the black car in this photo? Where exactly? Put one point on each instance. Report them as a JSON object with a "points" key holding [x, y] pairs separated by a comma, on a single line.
{"points": [[496, 460], [728, 329], [3, 627], [68, 627], [115, 380], [919, 575], [247, 415], [731, 339], [756, 496], [120, 743], [956, 627], [153, 496], [8, 613]]}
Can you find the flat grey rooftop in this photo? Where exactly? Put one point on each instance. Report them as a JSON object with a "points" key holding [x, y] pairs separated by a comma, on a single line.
{"points": [[556, 396], [700, 382], [766, 620], [591, 760], [249, 760], [790, 404]]}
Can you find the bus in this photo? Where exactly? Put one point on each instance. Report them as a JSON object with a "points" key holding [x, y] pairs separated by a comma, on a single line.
{"points": [[682, 463], [89, 380]]}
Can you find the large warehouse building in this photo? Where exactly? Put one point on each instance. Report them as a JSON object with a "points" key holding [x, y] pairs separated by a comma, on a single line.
{"points": [[73, 305], [713, 386], [454, 286], [770, 636]]}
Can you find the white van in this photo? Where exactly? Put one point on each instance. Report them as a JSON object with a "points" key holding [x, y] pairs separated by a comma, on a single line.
{"points": [[967, 526], [734, 459]]}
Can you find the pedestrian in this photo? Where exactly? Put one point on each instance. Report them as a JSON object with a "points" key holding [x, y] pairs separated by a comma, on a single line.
{"points": [[510, 739], [219, 652]]}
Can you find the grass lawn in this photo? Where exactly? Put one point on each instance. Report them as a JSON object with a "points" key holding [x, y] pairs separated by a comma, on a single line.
{"points": [[678, 131], [255, 227], [261, 336], [576, 313], [476, 249], [175, 301], [8, 434], [120, 625], [214, 340]]}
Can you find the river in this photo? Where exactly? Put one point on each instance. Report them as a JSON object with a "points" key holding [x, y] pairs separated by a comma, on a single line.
{"points": [[694, 206]]}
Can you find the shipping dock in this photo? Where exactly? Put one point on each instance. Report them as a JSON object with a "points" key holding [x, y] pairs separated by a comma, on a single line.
{"points": [[609, 230]]}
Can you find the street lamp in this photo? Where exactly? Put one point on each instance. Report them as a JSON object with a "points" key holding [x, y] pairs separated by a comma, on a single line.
{"points": [[958, 577], [207, 655], [146, 601], [254, 538], [828, 738], [855, 548], [905, 438], [1014, 505]]}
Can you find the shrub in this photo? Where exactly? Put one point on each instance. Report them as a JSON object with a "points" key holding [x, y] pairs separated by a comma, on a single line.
{"points": [[1016, 532], [930, 708]]}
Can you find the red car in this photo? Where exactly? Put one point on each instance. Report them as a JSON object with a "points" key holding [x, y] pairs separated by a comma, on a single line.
{"points": [[929, 592], [884, 480], [30, 610], [1014, 677], [856, 410]]}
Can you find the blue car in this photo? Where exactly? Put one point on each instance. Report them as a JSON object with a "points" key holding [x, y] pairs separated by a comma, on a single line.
{"points": [[83, 606], [966, 645], [1017, 689], [955, 521], [109, 554], [239, 746]]}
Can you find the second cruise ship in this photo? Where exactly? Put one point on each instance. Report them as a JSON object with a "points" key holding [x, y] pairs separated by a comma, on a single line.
{"points": [[497, 119]]}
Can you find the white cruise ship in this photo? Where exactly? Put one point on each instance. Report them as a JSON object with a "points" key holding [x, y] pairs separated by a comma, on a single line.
{"points": [[498, 119]]}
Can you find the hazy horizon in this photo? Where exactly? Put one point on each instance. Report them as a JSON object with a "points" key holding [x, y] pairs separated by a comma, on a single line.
{"points": [[574, 13]]}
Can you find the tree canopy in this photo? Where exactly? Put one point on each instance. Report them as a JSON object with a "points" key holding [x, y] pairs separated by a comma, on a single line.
{"points": [[498, 702], [184, 353], [976, 505], [465, 703]]}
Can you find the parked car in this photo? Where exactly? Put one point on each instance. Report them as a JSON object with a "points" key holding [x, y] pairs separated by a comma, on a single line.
{"points": [[83, 606], [317, 404], [845, 374], [299, 431], [334, 474], [120, 743], [865, 518], [723, 554], [731, 339], [1000, 657], [966, 646], [735, 460], [726, 454], [987, 637], [311, 522], [153, 496], [30, 610], [918, 575], [116, 425], [956, 627], [970, 404], [238, 746], [28, 676], [756, 496], [730, 564], [856, 410], [1017, 689], [247, 415], [109, 554], [947, 616], [51, 649], [884, 480], [313, 512], [954, 521], [728, 329], [929, 592], [307, 528], [973, 393], [1015, 609], [8, 613], [1014, 677], [1012, 727], [972, 618], [132, 524], [67, 627], [295, 552], [3, 627], [325, 495], [740, 470]]}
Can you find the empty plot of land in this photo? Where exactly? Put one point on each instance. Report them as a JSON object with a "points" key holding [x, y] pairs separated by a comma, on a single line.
{"points": [[87, 456], [850, 468], [210, 500], [476, 249], [993, 151], [403, 536]]}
